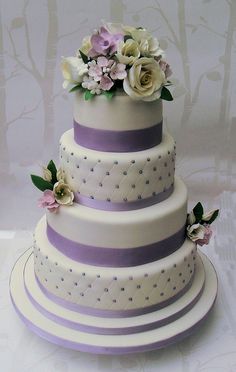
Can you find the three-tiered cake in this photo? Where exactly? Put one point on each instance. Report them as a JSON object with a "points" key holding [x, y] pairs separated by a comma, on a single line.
{"points": [[112, 269]]}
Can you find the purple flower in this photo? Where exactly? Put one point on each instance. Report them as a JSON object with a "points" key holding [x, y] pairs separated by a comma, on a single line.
{"points": [[106, 83], [207, 236], [165, 68], [48, 201], [104, 43], [118, 71]]}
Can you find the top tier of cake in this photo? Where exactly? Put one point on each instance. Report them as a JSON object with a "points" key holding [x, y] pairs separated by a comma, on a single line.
{"points": [[117, 125]]}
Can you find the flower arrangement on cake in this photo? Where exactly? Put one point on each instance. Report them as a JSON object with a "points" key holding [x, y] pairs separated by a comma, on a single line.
{"points": [[55, 190], [119, 57]]}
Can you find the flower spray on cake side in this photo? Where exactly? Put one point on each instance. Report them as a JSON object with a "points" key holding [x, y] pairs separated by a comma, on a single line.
{"points": [[55, 190], [118, 57]]}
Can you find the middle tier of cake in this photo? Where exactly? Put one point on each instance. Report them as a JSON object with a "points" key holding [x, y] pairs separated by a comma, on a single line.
{"points": [[118, 180]]}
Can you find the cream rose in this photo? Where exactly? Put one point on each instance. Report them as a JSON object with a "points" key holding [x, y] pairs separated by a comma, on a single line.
{"points": [[63, 194], [47, 175], [128, 52], [86, 46], [73, 70], [196, 231], [144, 80], [148, 45]]}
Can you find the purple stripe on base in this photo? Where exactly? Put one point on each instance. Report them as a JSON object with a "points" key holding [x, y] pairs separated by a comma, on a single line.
{"points": [[112, 313], [117, 141], [95, 349], [112, 331], [122, 206], [116, 257]]}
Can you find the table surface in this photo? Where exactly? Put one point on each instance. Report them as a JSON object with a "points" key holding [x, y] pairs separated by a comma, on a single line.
{"points": [[212, 348]]}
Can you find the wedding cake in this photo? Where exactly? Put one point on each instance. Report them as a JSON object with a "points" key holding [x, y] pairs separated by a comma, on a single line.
{"points": [[115, 266]]}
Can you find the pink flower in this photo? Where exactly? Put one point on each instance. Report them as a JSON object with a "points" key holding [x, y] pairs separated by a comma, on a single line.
{"points": [[106, 83], [165, 68], [207, 236], [104, 43], [48, 201], [118, 71], [95, 71]]}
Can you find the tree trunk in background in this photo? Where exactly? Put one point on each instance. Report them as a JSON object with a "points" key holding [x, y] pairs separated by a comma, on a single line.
{"points": [[185, 61], [117, 11], [4, 154], [48, 81]]}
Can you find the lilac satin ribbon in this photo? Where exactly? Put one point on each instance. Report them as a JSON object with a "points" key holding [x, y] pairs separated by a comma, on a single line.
{"points": [[117, 141], [112, 313], [116, 257], [122, 206]]}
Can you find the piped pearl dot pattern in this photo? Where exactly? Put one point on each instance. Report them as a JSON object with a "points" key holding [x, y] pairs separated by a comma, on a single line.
{"points": [[118, 176], [118, 289]]}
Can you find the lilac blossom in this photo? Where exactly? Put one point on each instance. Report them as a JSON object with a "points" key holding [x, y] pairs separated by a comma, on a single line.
{"points": [[104, 43]]}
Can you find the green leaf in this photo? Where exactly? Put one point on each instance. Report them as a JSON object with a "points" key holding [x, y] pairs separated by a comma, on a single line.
{"points": [[127, 37], [40, 183], [51, 166], [214, 216], [84, 57], [88, 95], [76, 87], [109, 94], [198, 212], [166, 95]]}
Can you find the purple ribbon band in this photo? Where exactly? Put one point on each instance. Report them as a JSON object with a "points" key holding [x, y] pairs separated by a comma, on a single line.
{"points": [[123, 206], [115, 313], [117, 141], [116, 257]]}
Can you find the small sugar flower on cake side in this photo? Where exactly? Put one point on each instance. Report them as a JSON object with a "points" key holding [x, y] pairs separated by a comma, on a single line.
{"points": [[55, 190], [199, 224], [118, 57]]}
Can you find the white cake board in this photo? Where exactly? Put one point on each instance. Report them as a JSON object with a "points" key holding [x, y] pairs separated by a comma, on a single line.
{"points": [[76, 339]]}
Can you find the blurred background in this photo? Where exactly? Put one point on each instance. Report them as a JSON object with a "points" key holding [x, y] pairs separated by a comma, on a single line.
{"points": [[199, 40]]}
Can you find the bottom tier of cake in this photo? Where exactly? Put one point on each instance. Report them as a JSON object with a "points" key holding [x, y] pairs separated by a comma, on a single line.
{"points": [[106, 335], [116, 291]]}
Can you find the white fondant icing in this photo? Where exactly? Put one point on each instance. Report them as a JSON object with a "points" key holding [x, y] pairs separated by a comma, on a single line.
{"points": [[98, 287], [126, 229], [118, 176], [119, 323], [120, 113]]}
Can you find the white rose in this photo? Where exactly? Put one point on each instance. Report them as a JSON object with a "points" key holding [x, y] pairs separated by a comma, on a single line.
{"points": [[191, 218], [148, 45], [127, 52], [86, 46], [60, 175], [208, 215], [47, 175], [73, 70], [63, 193], [144, 80], [196, 232]]}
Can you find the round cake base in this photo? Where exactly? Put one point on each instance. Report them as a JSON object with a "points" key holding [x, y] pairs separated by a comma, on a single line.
{"points": [[96, 335]]}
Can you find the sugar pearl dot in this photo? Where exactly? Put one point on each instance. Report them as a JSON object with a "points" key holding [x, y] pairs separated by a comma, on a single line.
{"points": [[140, 172], [100, 184], [125, 173], [117, 186], [133, 186], [130, 299], [62, 279], [82, 294], [114, 277], [125, 199], [107, 173], [154, 285], [122, 289], [162, 271], [174, 288], [148, 159], [72, 153], [105, 289], [91, 170], [98, 276], [114, 301], [138, 286], [85, 157], [154, 169], [161, 294], [132, 161], [98, 299], [147, 182], [115, 162], [70, 270], [147, 298]]}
